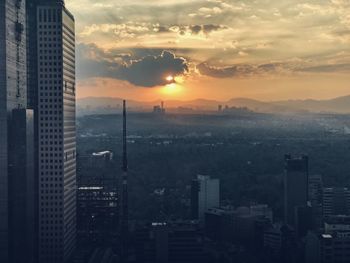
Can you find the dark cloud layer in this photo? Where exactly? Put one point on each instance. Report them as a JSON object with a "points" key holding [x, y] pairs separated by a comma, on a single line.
{"points": [[148, 71], [151, 71]]}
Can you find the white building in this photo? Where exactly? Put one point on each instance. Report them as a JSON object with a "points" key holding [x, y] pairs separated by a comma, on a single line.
{"points": [[205, 194]]}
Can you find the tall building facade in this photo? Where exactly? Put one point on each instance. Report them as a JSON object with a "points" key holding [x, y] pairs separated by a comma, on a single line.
{"points": [[56, 135], [336, 201], [12, 96], [295, 186], [37, 145], [22, 189], [205, 194], [316, 199]]}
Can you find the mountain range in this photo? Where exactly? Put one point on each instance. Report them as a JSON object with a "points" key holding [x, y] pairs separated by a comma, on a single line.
{"points": [[109, 105]]}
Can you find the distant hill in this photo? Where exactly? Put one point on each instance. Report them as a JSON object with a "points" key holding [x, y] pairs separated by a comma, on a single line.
{"points": [[110, 105], [337, 105]]}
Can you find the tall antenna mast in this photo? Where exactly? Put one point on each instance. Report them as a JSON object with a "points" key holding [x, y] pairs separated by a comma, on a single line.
{"points": [[125, 156], [124, 226]]}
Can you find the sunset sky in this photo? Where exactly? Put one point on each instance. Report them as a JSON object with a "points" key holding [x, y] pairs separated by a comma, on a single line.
{"points": [[214, 49]]}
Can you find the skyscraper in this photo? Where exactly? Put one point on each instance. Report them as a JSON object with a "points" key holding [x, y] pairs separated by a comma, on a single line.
{"points": [[205, 194], [22, 189], [54, 102], [295, 186], [12, 96], [315, 198]]}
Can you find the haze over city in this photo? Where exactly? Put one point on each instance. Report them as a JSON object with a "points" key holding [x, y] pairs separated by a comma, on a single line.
{"points": [[174, 131], [218, 49]]}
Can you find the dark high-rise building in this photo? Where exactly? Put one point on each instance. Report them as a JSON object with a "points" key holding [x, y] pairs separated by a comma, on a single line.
{"points": [[51, 56], [22, 189], [37, 146], [336, 201], [171, 242], [97, 214], [295, 186], [12, 96], [316, 199]]}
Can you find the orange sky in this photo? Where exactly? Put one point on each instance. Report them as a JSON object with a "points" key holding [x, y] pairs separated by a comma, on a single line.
{"points": [[220, 49]]}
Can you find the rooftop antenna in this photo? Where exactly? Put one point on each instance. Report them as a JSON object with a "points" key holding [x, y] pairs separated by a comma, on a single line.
{"points": [[124, 226]]}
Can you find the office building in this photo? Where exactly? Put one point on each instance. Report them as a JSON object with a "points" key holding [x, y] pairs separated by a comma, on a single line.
{"points": [[280, 243], [37, 180], [315, 190], [13, 103], [173, 242], [244, 225], [336, 201], [54, 101], [97, 214], [335, 241], [101, 159], [205, 194], [316, 199], [22, 188], [303, 220], [295, 186], [312, 248], [159, 109]]}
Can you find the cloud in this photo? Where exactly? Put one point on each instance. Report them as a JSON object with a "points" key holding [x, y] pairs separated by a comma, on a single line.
{"points": [[205, 29], [328, 68], [125, 30], [146, 71], [223, 72], [207, 12], [131, 30], [243, 70], [151, 71]]}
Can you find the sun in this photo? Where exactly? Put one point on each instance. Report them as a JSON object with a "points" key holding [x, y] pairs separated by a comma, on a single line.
{"points": [[169, 78]]}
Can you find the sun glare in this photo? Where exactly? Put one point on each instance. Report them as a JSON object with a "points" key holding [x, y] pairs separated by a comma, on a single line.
{"points": [[171, 89], [169, 78], [174, 86]]}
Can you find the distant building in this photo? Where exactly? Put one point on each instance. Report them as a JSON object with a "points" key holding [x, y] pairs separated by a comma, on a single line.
{"points": [[312, 248], [159, 109], [243, 225], [280, 243], [173, 242], [101, 159], [97, 214], [295, 186], [339, 223], [336, 201], [205, 194], [335, 241], [316, 199], [315, 189], [95, 169], [303, 220]]}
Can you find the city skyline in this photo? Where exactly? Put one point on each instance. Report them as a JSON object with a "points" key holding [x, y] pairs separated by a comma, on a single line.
{"points": [[266, 50]]}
